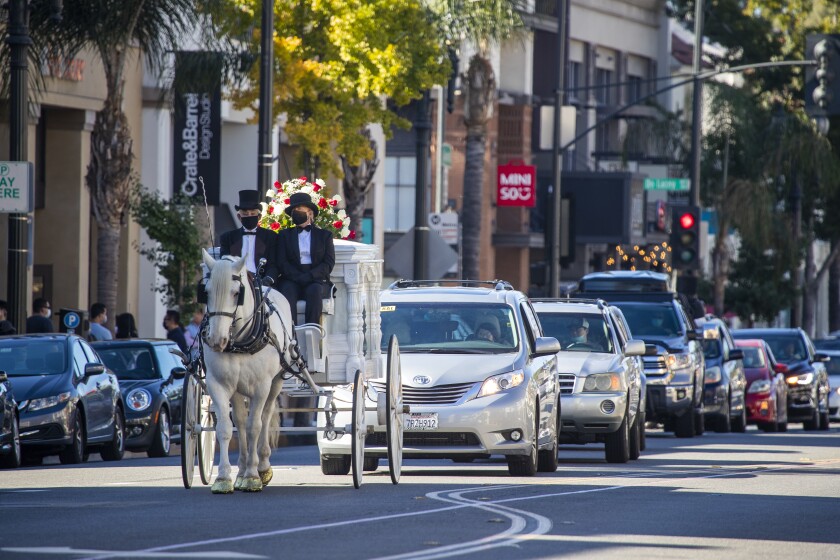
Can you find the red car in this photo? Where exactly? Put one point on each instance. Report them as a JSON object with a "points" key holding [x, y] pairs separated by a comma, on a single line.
{"points": [[766, 386]]}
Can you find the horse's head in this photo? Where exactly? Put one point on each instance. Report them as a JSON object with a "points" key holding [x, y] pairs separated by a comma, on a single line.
{"points": [[226, 298]]}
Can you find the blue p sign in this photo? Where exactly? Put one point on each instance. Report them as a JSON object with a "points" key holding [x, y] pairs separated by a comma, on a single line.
{"points": [[72, 320]]}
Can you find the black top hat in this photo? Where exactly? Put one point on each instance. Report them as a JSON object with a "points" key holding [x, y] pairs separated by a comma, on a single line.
{"points": [[301, 199], [248, 200]]}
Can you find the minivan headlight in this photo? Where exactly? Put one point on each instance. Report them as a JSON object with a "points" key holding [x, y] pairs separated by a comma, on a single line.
{"points": [[801, 379], [47, 402], [139, 400], [501, 382], [602, 382]]}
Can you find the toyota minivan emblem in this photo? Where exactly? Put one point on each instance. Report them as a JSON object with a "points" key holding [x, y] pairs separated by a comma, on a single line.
{"points": [[422, 380]]}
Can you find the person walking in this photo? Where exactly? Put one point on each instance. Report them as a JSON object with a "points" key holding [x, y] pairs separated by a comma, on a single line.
{"points": [[126, 326], [39, 321], [251, 240], [98, 318], [192, 331], [174, 332], [6, 326], [305, 258]]}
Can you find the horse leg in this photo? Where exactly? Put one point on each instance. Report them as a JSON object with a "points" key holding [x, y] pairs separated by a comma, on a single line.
{"points": [[252, 481], [268, 414], [224, 431], [240, 418]]}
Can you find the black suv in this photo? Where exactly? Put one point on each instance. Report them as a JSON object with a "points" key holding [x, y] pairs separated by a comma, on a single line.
{"points": [[806, 374], [726, 383], [674, 363]]}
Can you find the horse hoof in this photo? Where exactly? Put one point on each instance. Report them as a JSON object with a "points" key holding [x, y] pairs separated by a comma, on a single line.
{"points": [[266, 476], [222, 487], [237, 484], [252, 484]]}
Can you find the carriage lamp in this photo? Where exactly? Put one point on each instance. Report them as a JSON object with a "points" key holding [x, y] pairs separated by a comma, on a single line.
{"points": [[139, 400]]}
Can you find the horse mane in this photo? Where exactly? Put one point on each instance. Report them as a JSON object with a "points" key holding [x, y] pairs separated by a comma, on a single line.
{"points": [[220, 279]]}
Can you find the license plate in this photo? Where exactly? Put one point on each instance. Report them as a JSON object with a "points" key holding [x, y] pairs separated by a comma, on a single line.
{"points": [[421, 421]]}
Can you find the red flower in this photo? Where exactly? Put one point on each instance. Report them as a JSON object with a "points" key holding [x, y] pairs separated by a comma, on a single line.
{"points": [[275, 226], [333, 202], [276, 184], [302, 179], [287, 200], [338, 224], [323, 203], [316, 187], [352, 234], [271, 209]]}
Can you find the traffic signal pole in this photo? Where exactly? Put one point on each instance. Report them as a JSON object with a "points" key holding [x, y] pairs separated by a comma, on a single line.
{"points": [[697, 105]]}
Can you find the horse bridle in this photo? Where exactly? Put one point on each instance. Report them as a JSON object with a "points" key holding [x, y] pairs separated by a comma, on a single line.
{"points": [[239, 301]]}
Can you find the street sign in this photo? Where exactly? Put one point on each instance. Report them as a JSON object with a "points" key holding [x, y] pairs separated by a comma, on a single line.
{"points": [[446, 225], [668, 184], [71, 320], [16, 187], [446, 155], [517, 185]]}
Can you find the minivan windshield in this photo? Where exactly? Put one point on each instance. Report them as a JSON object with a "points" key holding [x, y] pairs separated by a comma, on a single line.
{"points": [[651, 319], [450, 327]]}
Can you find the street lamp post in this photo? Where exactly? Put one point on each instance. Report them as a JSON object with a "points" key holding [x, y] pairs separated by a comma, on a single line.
{"points": [[422, 127], [265, 155]]}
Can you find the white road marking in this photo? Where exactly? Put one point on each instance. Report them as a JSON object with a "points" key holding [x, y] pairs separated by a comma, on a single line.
{"points": [[69, 551]]}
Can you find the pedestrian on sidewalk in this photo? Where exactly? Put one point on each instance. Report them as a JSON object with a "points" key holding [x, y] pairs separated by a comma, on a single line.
{"points": [[174, 331], [39, 321], [6, 326], [98, 319], [126, 326]]}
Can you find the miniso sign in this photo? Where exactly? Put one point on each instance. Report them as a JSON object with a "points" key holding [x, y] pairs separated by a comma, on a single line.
{"points": [[15, 187]]}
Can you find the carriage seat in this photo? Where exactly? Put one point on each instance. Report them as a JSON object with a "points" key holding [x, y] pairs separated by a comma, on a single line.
{"points": [[328, 308]]}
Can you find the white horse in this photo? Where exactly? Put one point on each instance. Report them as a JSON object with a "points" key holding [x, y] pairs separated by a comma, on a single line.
{"points": [[232, 377]]}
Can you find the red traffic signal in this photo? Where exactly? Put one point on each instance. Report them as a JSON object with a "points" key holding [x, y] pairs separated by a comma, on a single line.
{"points": [[687, 220], [685, 237]]}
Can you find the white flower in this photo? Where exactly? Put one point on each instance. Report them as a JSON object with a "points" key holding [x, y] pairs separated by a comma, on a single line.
{"points": [[341, 214], [270, 193], [264, 206], [336, 197], [320, 182], [346, 220], [345, 232]]}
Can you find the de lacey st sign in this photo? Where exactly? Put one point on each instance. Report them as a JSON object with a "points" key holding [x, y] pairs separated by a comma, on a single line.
{"points": [[16, 187], [517, 184]]}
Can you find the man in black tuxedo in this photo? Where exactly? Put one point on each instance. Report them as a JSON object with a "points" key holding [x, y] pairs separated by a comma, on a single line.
{"points": [[251, 240], [305, 257]]}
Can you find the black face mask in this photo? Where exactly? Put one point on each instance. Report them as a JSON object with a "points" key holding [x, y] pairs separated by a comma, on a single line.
{"points": [[299, 218], [250, 222]]}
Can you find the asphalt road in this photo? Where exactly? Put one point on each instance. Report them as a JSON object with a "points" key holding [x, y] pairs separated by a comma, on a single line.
{"points": [[731, 496]]}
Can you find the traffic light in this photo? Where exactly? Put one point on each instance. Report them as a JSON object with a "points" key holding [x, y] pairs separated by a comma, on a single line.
{"points": [[819, 80], [685, 237]]}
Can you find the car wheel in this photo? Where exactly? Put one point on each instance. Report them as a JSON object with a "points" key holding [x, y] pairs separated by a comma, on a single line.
{"points": [[700, 420], [12, 459], [115, 450], [684, 425], [635, 435], [74, 453], [162, 442], [617, 448], [643, 431], [825, 422], [740, 423], [526, 466], [370, 464], [547, 458], [723, 423], [812, 423], [335, 465]]}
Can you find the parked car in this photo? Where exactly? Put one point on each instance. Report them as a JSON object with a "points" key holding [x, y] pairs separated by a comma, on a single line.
{"points": [[806, 373], [70, 404], [725, 384], [674, 363], [831, 348], [766, 386], [601, 378], [152, 381], [477, 371], [10, 453], [625, 281]]}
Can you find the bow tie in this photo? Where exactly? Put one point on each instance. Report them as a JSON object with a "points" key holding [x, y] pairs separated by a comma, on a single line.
{"points": [[249, 233], [307, 228]]}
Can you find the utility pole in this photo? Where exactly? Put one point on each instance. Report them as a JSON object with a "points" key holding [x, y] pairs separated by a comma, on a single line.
{"points": [[552, 242], [264, 155], [422, 128], [18, 41], [697, 105]]}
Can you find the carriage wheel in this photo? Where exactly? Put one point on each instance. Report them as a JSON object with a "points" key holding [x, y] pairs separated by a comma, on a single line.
{"points": [[189, 436], [207, 438], [394, 407], [359, 429]]}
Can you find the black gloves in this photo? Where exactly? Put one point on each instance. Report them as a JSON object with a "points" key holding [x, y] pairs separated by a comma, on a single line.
{"points": [[267, 281]]}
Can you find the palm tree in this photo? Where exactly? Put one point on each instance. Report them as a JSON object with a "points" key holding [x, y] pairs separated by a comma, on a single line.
{"points": [[483, 24], [119, 32]]}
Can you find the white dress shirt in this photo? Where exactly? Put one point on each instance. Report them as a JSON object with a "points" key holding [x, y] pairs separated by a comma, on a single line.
{"points": [[248, 243], [304, 246]]}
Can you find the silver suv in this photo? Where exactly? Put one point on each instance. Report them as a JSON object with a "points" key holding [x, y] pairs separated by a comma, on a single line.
{"points": [[479, 375], [602, 382]]}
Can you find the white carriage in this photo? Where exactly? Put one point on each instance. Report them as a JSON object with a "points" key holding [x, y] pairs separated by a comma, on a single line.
{"points": [[340, 354]]}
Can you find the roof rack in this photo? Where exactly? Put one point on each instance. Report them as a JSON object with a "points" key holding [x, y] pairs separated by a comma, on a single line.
{"points": [[601, 303], [496, 284]]}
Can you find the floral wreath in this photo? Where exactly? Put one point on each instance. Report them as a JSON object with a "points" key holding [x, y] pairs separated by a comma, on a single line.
{"points": [[274, 216]]}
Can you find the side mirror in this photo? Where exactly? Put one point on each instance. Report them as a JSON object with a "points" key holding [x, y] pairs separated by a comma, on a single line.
{"points": [[546, 345], [651, 350], [736, 354], [635, 348], [178, 373], [94, 369], [3, 377], [780, 368], [818, 357]]}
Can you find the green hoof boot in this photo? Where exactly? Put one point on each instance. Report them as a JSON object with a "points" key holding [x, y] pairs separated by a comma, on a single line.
{"points": [[252, 484], [266, 476], [222, 487]]}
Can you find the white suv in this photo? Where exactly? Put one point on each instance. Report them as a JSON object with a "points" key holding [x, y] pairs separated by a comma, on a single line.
{"points": [[602, 384], [477, 372]]}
